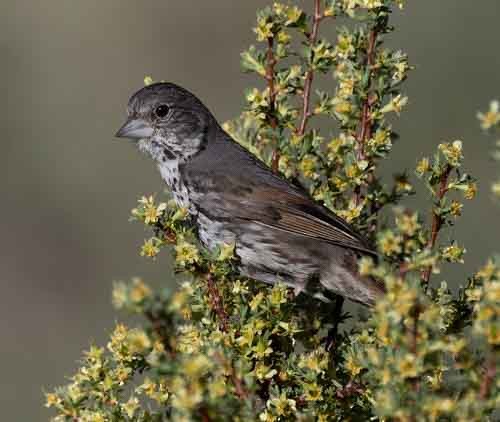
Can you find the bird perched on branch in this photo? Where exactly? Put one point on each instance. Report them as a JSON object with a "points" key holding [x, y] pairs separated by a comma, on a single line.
{"points": [[279, 232]]}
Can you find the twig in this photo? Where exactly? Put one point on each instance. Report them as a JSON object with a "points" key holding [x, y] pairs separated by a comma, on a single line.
{"points": [[365, 131], [238, 385], [489, 377], [217, 305], [161, 331], [205, 417], [349, 390], [437, 220], [333, 332], [365, 126], [413, 343], [313, 36], [271, 63]]}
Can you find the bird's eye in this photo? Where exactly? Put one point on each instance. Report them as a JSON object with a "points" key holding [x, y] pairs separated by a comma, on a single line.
{"points": [[161, 111]]}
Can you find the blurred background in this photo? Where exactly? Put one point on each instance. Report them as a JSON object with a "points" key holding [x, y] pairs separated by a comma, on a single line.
{"points": [[67, 185]]}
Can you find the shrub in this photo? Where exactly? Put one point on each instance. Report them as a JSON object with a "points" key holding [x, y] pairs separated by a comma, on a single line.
{"points": [[222, 347]]}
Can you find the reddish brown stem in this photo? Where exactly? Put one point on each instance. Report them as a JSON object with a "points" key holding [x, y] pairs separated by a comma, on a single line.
{"points": [[306, 96], [437, 220], [217, 305], [238, 386], [160, 329], [205, 417], [365, 126], [349, 390], [365, 130], [270, 74], [489, 377]]}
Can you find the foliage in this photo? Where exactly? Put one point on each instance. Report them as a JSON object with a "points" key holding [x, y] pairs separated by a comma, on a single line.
{"points": [[490, 122], [223, 347]]}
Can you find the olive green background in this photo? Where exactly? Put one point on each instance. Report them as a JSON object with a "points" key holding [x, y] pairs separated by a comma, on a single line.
{"points": [[67, 70]]}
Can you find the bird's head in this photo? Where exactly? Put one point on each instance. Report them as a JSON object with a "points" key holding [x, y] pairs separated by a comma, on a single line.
{"points": [[167, 121]]}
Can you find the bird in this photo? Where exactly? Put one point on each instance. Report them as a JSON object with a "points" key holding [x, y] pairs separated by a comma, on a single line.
{"points": [[279, 232]]}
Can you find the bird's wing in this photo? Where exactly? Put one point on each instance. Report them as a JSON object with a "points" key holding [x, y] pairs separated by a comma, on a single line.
{"points": [[275, 203], [238, 185]]}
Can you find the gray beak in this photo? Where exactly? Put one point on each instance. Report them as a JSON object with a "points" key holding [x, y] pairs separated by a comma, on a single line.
{"points": [[135, 129]]}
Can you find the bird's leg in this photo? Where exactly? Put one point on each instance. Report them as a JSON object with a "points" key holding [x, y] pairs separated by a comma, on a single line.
{"points": [[338, 302]]}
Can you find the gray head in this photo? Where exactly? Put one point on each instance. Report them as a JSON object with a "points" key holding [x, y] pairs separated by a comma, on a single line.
{"points": [[167, 121]]}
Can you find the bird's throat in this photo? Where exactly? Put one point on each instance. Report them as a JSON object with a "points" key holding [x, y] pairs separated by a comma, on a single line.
{"points": [[169, 170]]}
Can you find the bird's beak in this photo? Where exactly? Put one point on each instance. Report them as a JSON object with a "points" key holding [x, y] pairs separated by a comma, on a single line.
{"points": [[135, 129]]}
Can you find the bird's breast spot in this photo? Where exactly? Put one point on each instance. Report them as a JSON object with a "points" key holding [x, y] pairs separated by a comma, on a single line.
{"points": [[170, 174]]}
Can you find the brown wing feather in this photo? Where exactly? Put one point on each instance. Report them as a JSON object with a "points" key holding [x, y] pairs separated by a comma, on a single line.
{"points": [[250, 191], [294, 212]]}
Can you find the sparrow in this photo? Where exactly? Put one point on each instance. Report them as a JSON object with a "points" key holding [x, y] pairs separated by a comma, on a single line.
{"points": [[279, 232]]}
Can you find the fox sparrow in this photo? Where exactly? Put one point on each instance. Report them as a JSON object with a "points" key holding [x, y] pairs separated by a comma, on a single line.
{"points": [[279, 232]]}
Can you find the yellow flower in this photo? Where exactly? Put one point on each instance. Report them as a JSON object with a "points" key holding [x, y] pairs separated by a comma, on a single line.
{"points": [[395, 105], [452, 152], [344, 46], [371, 4], [119, 295], [217, 388], [131, 406], [226, 252], [489, 271], [408, 366], [456, 208], [308, 166], [239, 288], [495, 188], [150, 247], [139, 290], [346, 87], [408, 223], [256, 300], [343, 107], [152, 213], [284, 37], [423, 166], [389, 243], [316, 361], [148, 387], [339, 183], [312, 392], [263, 29], [490, 118], [453, 253], [196, 366], [492, 292], [89, 416], [266, 416], [400, 70], [283, 405], [138, 341], [293, 15], [187, 253], [382, 138], [52, 399], [263, 371], [278, 295], [262, 348], [95, 354], [471, 191], [352, 365], [74, 392]]}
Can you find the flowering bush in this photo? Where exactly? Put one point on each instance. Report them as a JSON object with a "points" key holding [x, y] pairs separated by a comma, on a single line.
{"points": [[222, 347]]}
